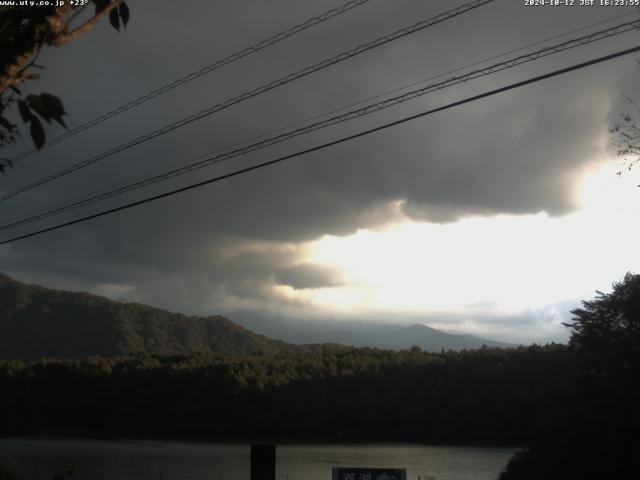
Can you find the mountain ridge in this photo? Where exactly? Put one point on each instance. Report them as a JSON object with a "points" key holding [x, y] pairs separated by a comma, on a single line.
{"points": [[38, 322], [359, 333]]}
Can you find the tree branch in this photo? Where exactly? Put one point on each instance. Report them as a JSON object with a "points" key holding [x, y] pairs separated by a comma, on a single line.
{"points": [[52, 31], [66, 37], [77, 13], [15, 73]]}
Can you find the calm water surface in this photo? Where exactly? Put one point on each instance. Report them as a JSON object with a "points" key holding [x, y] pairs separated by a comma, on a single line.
{"points": [[150, 460]]}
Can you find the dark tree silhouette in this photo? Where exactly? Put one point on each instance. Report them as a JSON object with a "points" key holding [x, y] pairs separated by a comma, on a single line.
{"points": [[326, 393], [24, 31], [599, 437], [606, 335]]}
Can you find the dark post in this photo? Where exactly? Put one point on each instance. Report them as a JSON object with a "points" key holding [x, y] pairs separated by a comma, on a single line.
{"points": [[263, 462]]}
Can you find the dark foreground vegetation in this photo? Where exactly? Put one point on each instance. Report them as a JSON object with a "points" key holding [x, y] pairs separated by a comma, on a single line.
{"points": [[325, 393], [599, 436]]}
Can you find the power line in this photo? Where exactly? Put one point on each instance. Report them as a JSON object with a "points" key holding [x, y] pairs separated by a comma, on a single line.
{"points": [[252, 93], [315, 117], [369, 109], [328, 144], [311, 22]]}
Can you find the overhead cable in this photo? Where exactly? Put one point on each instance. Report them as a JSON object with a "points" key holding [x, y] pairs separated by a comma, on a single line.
{"points": [[261, 45], [366, 110], [252, 93], [326, 145]]}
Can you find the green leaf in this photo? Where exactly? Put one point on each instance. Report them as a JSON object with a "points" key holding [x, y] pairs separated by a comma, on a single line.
{"points": [[114, 20], [24, 110], [123, 8], [54, 106], [37, 132], [36, 104]]}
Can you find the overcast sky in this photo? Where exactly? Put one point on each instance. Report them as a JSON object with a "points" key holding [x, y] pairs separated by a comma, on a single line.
{"points": [[494, 218]]}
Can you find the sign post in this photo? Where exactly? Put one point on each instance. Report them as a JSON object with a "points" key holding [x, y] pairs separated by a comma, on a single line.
{"points": [[263, 462], [364, 473]]}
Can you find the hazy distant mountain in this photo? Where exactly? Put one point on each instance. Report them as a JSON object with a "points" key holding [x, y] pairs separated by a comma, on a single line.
{"points": [[39, 322], [361, 334]]}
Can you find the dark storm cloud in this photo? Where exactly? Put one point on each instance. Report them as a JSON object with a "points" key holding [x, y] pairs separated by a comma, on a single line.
{"points": [[308, 276], [515, 153]]}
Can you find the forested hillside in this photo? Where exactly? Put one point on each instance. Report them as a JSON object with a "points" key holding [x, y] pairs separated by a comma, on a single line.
{"points": [[37, 322], [330, 393]]}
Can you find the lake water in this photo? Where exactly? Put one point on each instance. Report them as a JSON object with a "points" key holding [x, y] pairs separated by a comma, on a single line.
{"points": [[155, 460]]}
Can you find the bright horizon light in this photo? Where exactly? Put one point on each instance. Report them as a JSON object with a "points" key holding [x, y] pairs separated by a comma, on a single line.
{"points": [[498, 265]]}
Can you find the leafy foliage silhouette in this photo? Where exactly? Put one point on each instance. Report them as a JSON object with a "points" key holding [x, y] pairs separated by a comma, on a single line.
{"points": [[24, 31]]}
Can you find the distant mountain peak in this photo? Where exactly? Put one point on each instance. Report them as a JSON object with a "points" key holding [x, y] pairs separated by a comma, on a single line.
{"points": [[360, 333], [420, 327]]}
